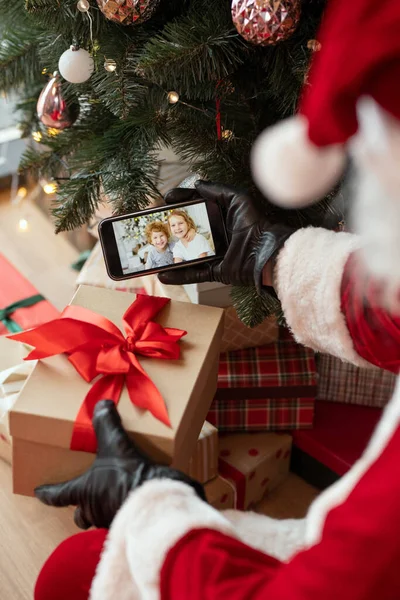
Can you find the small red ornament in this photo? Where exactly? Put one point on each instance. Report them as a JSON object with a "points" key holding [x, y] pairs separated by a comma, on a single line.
{"points": [[266, 22], [52, 109], [128, 12]]}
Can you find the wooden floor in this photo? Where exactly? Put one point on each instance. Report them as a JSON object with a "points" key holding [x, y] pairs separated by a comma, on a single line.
{"points": [[29, 531]]}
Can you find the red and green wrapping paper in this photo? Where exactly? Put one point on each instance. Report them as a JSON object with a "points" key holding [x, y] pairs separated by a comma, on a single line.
{"points": [[268, 388], [21, 306], [254, 463]]}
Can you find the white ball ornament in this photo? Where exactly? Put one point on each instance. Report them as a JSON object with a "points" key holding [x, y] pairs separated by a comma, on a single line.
{"points": [[76, 65]]}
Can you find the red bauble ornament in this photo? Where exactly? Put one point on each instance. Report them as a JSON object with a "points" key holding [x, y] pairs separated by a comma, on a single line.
{"points": [[52, 109], [266, 22], [128, 12]]}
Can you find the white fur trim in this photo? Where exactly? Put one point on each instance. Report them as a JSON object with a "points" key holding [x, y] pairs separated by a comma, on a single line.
{"points": [[281, 539], [376, 203], [290, 169], [307, 279], [339, 492], [149, 524]]}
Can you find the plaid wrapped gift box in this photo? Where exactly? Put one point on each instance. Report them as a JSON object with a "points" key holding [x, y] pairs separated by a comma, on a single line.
{"points": [[342, 382], [272, 387]]}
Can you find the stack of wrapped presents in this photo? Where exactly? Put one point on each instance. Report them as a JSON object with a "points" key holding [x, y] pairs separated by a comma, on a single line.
{"points": [[226, 401], [224, 398]]}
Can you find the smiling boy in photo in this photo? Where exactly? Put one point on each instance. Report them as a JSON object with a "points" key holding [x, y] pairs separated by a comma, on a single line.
{"points": [[160, 253]]}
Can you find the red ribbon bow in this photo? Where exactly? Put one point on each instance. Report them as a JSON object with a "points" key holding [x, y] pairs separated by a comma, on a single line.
{"points": [[95, 346]]}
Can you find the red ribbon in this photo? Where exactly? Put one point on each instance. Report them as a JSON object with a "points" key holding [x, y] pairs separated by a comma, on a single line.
{"points": [[95, 346], [231, 473]]}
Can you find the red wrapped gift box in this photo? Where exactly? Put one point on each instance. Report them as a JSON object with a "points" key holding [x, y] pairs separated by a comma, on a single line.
{"points": [[14, 288], [268, 388]]}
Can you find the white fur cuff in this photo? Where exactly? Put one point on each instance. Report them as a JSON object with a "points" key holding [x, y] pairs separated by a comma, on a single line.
{"points": [[148, 525], [307, 278]]}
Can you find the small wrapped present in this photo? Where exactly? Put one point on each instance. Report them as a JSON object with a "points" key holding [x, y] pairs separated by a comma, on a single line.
{"points": [[13, 374], [255, 463], [154, 287], [162, 399], [221, 493], [94, 273], [203, 465], [268, 388], [21, 305], [342, 382], [237, 336]]}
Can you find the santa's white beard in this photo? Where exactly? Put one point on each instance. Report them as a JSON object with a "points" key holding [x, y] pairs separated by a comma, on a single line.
{"points": [[375, 212]]}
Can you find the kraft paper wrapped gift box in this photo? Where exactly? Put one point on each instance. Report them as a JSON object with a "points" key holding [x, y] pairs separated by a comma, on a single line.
{"points": [[236, 335], [42, 420], [13, 374], [255, 463], [203, 465], [94, 273], [221, 493]]}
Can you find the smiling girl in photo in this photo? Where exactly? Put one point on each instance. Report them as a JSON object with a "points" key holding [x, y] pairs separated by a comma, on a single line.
{"points": [[190, 244]]}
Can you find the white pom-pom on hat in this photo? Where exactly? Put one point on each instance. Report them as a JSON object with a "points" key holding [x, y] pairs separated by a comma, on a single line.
{"points": [[289, 169]]}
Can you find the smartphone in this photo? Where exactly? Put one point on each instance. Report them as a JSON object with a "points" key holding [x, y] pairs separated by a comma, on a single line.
{"points": [[159, 239]]}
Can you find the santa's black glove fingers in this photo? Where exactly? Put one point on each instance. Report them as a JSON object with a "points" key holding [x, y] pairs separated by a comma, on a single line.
{"points": [[181, 196], [62, 494], [80, 520], [216, 192], [112, 439], [195, 274]]}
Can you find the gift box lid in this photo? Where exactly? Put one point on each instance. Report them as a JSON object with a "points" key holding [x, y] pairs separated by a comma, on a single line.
{"points": [[49, 402], [282, 369], [340, 434], [15, 288]]}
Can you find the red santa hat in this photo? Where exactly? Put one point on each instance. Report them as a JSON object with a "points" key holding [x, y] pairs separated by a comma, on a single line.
{"points": [[300, 159]]}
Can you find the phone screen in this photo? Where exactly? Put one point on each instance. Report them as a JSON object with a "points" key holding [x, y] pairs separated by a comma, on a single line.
{"points": [[162, 238]]}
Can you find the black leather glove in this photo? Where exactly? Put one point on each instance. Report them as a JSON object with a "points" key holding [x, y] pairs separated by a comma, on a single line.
{"points": [[119, 468], [253, 240]]}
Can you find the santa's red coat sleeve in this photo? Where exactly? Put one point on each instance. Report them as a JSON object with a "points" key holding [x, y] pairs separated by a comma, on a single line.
{"points": [[166, 543]]}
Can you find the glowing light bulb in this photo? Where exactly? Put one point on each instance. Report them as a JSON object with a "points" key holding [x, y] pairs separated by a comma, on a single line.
{"points": [[22, 192], [53, 131], [173, 97], [83, 6], [314, 45], [227, 134], [110, 65], [50, 188], [37, 136], [23, 225]]}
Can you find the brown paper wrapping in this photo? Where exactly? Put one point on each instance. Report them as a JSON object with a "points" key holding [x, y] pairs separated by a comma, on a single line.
{"points": [[94, 272], [11, 358], [255, 463], [203, 465], [220, 493], [237, 336], [42, 419]]}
